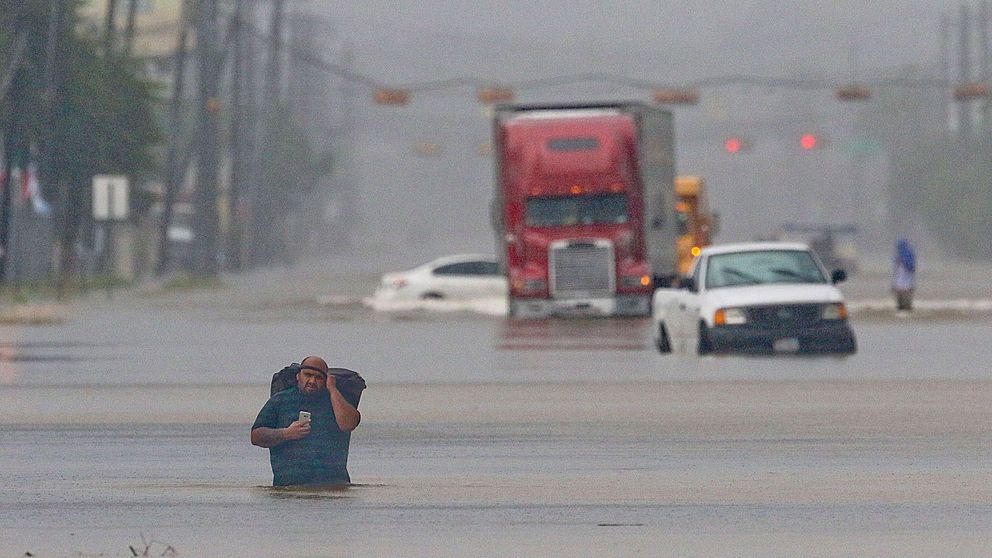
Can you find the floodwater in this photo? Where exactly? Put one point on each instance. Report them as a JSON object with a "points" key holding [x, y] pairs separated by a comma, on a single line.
{"points": [[127, 426]]}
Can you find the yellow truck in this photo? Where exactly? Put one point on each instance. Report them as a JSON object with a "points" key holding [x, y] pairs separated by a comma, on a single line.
{"points": [[696, 224]]}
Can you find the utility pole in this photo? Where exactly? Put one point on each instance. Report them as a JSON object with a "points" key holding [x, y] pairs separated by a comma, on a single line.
{"points": [[251, 130], [110, 27], [273, 70], [944, 36], [861, 215], [47, 170], [983, 35], [964, 106], [132, 11], [16, 29], [206, 229], [8, 134], [348, 214], [264, 246], [173, 173], [233, 247]]}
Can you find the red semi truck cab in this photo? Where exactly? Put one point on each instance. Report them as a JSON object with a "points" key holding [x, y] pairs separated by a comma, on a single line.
{"points": [[583, 207]]}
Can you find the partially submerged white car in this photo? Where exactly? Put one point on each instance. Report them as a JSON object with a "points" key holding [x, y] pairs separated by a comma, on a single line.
{"points": [[456, 277], [756, 297]]}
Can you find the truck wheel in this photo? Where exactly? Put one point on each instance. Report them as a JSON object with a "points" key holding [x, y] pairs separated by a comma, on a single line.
{"points": [[664, 345], [705, 347]]}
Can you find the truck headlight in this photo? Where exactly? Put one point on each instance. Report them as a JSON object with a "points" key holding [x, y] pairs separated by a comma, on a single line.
{"points": [[834, 311], [636, 280], [530, 284], [730, 316], [535, 285]]}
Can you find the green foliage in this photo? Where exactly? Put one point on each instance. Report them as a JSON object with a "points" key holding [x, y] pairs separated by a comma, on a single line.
{"points": [[291, 165], [185, 282], [45, 290], [107, 124], [103, 117], [291, 172]]}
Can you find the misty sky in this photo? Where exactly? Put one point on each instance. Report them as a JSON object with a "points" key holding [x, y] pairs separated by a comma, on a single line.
{"points": [[416, 207]]}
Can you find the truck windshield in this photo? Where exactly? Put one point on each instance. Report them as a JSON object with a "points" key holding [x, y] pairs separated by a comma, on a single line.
{"points": [[577, 210], [762, 267]]}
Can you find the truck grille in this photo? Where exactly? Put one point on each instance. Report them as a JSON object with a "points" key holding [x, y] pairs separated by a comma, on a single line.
{"points": [[784, 315], [581, 269]]}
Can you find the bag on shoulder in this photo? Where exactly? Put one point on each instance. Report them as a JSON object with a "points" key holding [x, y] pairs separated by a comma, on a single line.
{"points": [[349, 383]]}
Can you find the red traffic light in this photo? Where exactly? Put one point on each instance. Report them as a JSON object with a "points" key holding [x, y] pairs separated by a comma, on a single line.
{"points": [[808, 141], [736, 144], [733, 145]]}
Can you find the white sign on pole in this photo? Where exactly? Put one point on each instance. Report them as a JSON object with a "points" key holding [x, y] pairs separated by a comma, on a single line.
{"points": [[110, 197]]}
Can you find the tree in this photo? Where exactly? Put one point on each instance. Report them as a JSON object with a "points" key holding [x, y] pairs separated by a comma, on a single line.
{"points": [[103, 115], [291, 173]]}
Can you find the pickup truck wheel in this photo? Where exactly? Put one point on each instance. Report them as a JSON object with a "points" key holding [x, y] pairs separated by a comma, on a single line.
{"points": [[705, 347], [664, 345]]}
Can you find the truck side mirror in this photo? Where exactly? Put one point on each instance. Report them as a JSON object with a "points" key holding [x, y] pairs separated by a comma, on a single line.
{"points": [[837, 276], [688, 283]]}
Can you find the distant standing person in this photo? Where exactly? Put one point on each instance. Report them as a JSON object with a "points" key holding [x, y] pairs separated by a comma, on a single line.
{"points": [[904, 275], [307, 429]]}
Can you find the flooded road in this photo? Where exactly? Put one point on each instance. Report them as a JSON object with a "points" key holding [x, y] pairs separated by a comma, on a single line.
{"points": [[128, 426]]}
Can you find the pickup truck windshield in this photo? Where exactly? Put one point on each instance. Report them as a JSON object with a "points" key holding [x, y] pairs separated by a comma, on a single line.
{"points": [[577, 210], [762, 267]]}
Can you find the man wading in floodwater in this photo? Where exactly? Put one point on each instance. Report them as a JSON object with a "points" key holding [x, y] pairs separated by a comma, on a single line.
{"points": [[308, 449]]}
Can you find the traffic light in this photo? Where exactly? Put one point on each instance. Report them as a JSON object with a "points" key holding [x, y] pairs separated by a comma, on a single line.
{"points": [[853, 93], [809, 141], [492, 95], [386, 96], [970, 91], [675, 96], [736, 144]]}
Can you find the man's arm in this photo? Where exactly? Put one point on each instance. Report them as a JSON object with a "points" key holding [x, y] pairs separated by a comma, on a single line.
{"points": [[346, 415], [265, 437]]}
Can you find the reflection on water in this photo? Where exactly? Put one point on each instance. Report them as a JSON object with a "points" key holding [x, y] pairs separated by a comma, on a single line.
{"points": [[309, 492], [610, 334]]}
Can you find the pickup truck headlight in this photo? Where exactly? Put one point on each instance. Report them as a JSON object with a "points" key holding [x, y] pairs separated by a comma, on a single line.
{"points": [[835, 311], [730, 316]]}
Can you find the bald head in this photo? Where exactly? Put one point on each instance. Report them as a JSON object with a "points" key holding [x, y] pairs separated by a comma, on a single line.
{"points": [[312, 376], [316, 362]]}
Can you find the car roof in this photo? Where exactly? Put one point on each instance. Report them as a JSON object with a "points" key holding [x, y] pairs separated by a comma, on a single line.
{"points": [[457, 258], [731, 247]]}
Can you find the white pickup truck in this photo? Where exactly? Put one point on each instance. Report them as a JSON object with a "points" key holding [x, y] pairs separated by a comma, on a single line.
{"points": [[757, 297]]}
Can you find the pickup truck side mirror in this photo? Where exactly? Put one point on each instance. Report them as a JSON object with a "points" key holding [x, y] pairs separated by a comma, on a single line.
{"points": [[688, 283], [837, 276]]}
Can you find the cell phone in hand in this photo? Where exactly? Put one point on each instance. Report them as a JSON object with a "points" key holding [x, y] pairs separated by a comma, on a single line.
{"points": [[304, 416]]}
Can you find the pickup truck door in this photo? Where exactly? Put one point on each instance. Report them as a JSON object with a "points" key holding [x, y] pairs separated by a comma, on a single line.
{"points": [[685, 308]]}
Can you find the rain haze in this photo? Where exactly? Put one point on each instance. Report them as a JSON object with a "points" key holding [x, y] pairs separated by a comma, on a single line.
{"points": [[416, 206], [273, 216]]}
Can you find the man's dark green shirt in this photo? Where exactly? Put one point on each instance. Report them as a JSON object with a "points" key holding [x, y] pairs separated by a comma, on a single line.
{"points": [[318, 459]]}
